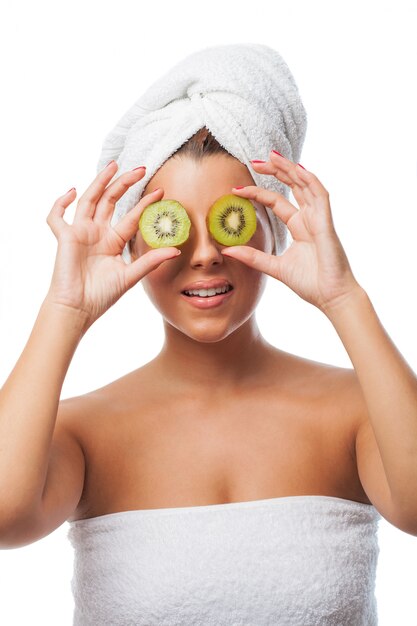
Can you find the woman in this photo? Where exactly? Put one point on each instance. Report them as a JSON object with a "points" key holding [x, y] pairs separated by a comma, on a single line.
{"points": [[226, 481]]}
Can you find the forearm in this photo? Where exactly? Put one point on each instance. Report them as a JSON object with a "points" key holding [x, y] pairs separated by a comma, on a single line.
{"points": [[389, 387], [29, 402]]}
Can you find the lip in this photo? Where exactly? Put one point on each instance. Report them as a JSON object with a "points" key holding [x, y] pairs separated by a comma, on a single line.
{"points": [[207, 284], [209, 301]]}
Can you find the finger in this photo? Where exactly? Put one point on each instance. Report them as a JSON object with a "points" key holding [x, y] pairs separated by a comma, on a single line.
{"points": [[321, 197], [287, 175], [302, 177], [257, 259], [274, 200], [283, 165], [147, 262], [314, 192], [128, 226], [87, 202], [113, 193], [55, 218], [312, 182]]}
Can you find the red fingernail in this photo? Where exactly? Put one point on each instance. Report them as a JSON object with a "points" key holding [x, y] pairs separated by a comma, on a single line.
{"points": [[239, 187], [301, 165], [257, 161], [141, 167], [276, 152]]}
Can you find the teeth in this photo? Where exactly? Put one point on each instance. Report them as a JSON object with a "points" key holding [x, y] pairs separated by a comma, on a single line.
{"points": [[208, 292]]}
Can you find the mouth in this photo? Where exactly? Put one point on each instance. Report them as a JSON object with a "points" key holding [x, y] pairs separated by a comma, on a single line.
{"points": [[206, 299], [207, 293]]}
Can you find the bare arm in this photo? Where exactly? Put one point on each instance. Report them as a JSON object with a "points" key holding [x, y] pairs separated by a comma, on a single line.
{"points": [[28, 408], [389, 388], [41, 464]]}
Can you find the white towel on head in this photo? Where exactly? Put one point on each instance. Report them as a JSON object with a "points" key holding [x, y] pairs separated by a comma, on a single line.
{"points": [[246, 96]]}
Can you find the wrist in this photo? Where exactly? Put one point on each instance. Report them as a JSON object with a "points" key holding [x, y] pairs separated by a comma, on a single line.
{"points": [[75, 319], [351, 299]]}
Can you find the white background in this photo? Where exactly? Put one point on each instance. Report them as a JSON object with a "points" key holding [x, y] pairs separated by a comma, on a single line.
{"points": [[68, 73]]}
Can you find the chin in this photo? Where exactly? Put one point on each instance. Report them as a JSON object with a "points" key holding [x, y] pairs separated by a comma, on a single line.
{"points": [[209, 331], [207, 336]]}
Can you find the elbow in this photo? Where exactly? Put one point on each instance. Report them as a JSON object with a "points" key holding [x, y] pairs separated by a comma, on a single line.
{"points": [[406, 516], [14, 522]]}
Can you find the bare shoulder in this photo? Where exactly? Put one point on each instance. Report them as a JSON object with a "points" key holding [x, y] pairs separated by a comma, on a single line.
{"points": [[338, 389], [76, 412], [369, 464], [87, 421], [340, 386], [326, 380], [348, 391]]}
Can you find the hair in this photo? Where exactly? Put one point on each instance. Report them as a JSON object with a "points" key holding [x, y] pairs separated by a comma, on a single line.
{"points": [[200, 145]]}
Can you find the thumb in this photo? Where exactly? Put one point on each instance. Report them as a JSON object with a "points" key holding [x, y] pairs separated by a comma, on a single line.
{"points": [[147, 262], [259, 260]]}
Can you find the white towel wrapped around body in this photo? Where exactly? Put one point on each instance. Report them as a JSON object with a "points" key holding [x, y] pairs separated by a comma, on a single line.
{"points": [[244, 94], [287, 561]]}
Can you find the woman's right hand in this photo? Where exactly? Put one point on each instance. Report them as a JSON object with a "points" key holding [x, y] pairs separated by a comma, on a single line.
{"points": [[90, 274]]}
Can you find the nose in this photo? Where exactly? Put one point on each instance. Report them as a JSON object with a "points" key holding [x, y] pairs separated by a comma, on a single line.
{"points": [[201, 246]]}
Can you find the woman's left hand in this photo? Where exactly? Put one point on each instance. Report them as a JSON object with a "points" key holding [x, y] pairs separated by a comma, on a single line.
{"points": [[315, 265]]}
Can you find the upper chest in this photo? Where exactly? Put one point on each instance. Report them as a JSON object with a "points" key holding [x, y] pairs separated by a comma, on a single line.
{"points": [[154, 450]]}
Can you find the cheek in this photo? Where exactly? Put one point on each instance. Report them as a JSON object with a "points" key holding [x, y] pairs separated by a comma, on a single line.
{"points": [[254, 288], [256, 282], [158, 283], [260, 238], [155, 282], [264, 237], [250, 284]]}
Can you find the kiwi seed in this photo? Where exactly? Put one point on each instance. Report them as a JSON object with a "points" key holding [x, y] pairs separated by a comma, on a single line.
{"points": [[232, 220], [164, 223]]}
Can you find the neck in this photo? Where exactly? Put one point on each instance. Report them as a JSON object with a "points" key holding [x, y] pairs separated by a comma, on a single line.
{"points": [[224, 364]]}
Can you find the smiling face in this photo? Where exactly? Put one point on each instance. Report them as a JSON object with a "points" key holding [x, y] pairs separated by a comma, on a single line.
{"points": [[197, 185]]}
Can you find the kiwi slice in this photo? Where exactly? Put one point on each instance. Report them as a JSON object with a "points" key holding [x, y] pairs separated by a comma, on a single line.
{"points": [[164, 223], [232, 220]]}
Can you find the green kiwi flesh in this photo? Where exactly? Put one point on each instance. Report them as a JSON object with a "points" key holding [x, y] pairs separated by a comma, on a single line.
{"points": [[164, 223], [232, 220]]}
